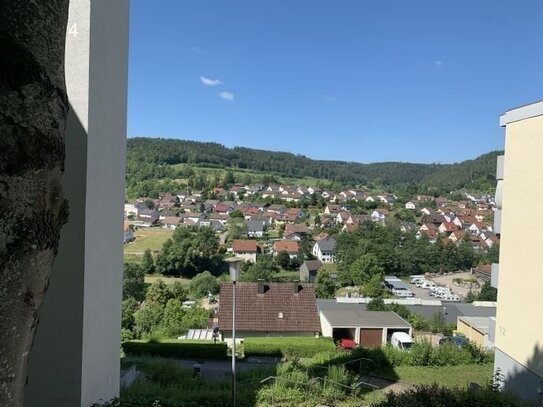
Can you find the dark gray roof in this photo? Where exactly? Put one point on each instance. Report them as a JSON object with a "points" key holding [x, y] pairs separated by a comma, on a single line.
{"points": [[351, 315], [255, 225], [327, 245]]}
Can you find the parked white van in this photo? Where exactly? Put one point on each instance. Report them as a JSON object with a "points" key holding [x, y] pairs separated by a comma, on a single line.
{"points": [[428, 284], [401, 340], [451, 298], [414, 279]]}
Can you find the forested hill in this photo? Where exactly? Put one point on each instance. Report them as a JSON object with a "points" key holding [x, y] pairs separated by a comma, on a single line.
{"points": [[389, 174]]}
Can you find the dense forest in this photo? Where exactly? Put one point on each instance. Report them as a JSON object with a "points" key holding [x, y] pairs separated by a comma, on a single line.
{"points": [[150, 158]]}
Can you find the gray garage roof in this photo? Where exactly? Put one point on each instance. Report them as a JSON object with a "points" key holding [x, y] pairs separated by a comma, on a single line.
{"points": [[452, 310], [350, 315]]}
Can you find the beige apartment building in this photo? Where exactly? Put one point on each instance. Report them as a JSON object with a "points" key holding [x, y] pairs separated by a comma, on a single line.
{"points": [[517, 330]]}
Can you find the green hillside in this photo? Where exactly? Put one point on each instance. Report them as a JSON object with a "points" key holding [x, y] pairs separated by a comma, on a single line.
{"points": [[173, 162]]}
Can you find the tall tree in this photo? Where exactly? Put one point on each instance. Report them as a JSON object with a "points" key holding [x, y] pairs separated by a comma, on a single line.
{"points": [[33, 110], [147, 262], [133, 282]]}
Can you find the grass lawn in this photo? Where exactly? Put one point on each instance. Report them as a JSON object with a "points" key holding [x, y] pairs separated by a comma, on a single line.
{"points": [[448, 376], [146, 238], [167, 280]]}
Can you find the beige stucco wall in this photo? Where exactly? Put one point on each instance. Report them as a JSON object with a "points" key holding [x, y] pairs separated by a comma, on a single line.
{"points": [[519, 327], [472, 334]]}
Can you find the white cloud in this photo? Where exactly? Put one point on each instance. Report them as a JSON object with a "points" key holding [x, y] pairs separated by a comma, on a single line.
{"points": [[209, 81], [226, 95], [331, 99], [196, 49], [438, 64]]}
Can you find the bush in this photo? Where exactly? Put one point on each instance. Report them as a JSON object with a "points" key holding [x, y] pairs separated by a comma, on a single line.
{"points": [[434, 395], [177, 349], [424, 354], [303, 347]]}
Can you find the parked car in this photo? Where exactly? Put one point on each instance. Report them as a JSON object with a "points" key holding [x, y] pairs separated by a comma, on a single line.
{"points": [[347, 344], [455, 340], [401, 340]]}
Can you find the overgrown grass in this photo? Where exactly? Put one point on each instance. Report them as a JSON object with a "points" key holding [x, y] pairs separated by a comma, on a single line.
{"points": [[448, 376], [301, 347]]}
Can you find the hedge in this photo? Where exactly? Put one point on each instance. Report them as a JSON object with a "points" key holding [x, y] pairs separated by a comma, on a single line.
{"points": [[177, 349], [304, 347]]}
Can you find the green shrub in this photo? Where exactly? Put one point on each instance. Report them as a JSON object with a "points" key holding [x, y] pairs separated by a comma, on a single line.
{"points": [[434, 395], [177, 349], [424, 354], [303, 347]]}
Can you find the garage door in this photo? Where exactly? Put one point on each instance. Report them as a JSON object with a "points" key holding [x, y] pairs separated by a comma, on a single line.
{"points": [[371, 337]]}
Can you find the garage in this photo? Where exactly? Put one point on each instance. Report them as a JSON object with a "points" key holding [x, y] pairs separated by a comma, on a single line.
{"points": [[343, 333], [369, 329], [371, 337]]}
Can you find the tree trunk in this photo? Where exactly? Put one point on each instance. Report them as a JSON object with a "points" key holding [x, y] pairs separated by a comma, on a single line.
{"points": [[33, 109]]}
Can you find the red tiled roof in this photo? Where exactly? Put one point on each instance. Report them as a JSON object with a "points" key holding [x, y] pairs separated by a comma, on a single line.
{"points": [[244, 246], [286, 246], [260, 312]]}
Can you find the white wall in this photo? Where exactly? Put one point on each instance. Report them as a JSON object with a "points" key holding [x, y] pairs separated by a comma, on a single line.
{"points": [[75, 359]]}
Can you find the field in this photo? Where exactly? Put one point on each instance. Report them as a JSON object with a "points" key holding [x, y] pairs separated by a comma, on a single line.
{"points": [[210, 172], [167, 280], [146, 238]]}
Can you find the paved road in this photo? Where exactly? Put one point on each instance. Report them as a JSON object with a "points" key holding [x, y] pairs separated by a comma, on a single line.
{"points": [[219, 369]]}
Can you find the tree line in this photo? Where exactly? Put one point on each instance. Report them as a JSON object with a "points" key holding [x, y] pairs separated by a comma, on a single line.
{"points": [[151, 158]]}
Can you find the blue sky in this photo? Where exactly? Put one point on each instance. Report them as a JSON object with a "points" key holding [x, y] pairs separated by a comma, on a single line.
{"points": [[355, 80]]}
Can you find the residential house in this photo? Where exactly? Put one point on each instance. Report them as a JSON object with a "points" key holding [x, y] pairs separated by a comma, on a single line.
{"points": [[427, 211], [309, 270], [132, 209], [255, 228], [223, 208], [278, 209], [447, 228], [289, 246], [128, 232], [246, 249], [432, 235], [216, 225], [456, 236], [269, 309], [146, 217], [379, 215], [325, 250], [223, 219], [359, 219], [295, 231], [332, 209], [171, 222], [342, 217], [483, 272], [411, 205]]}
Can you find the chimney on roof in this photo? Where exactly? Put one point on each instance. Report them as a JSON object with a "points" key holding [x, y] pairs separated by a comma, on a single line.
{"points": [[297, 287], [260, 286]]}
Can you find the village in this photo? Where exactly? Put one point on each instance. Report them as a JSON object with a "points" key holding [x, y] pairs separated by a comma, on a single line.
{"points": [[310, 211]]}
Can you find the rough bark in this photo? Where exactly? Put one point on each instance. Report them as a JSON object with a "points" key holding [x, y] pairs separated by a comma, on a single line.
{"points": [[33, 108]]}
